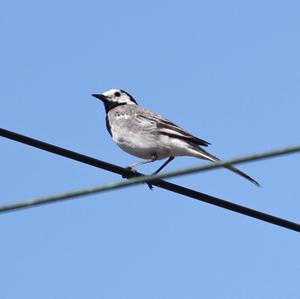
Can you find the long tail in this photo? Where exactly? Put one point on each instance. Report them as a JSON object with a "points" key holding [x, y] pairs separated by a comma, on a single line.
{"points": [[201, 153]]}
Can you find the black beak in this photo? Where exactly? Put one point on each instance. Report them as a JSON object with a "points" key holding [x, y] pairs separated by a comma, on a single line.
{"points": [[99, 96]]}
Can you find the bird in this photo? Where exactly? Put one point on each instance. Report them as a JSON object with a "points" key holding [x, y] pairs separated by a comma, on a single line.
{"points": [[149, 136]]}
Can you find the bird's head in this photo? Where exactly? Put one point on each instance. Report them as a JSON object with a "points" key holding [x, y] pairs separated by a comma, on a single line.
{"points": [[115, 97]]}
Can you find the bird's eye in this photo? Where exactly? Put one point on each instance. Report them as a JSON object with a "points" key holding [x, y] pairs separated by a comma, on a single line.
{"points": [[117, 94]]}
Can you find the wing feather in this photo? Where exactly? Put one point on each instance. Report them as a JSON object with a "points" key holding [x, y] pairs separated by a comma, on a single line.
{"points": [[167, 127]]}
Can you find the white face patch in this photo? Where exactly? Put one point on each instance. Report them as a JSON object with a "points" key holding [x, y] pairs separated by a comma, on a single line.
{"points": [[118, 96], [111, 92]]}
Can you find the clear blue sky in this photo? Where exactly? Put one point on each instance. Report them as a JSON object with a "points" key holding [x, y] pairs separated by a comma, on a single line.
{"points": [[228, 71]]}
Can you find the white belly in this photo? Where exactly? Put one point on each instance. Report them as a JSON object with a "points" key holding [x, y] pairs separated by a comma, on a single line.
{"points": [[145, 146]]}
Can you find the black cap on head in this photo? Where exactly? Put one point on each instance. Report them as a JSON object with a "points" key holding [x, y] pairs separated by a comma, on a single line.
{"points": [[131, 98]]}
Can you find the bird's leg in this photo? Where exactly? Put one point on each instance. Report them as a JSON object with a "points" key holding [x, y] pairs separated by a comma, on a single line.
{"points": [[153, 158], [164, 165], [159, 169]]}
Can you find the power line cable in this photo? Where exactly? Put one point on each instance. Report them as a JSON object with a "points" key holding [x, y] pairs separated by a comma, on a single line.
{"points": [[139, 178], [125, 172], [166, 185]]}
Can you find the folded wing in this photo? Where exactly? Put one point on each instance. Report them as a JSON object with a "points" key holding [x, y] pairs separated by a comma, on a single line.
{"points": [[166, 127]]}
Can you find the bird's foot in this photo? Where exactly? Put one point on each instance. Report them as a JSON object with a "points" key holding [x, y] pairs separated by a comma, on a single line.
{"points": [[134, 174]]}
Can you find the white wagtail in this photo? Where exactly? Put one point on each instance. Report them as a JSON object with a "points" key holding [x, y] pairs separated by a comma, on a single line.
{"points": [[149, 136]]}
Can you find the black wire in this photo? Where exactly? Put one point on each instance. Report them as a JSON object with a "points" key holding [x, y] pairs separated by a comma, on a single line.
{"points": [[159, 183]]}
